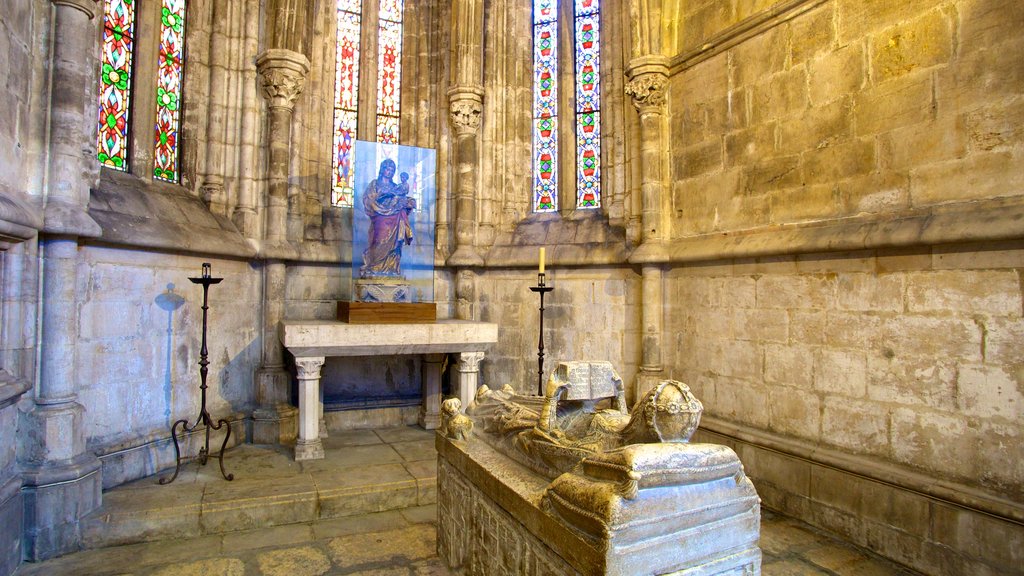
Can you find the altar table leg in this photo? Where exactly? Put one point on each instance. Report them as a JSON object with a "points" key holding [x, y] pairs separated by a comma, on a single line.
{"points": [[469, 371], [308, 445], [430, 412]]}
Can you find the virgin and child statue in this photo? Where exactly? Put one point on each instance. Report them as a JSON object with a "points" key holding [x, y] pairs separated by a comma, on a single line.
{"points": [[387, 204]]}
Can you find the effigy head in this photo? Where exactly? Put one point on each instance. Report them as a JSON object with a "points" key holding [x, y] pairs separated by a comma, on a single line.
{"points": [[671, 412]]}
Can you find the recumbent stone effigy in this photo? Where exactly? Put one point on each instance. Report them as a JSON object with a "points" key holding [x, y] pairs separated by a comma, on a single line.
{"points": [[573, 483]]}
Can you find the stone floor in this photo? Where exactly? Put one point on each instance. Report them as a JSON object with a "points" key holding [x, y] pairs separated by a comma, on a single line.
{"points": [[367, 509]]}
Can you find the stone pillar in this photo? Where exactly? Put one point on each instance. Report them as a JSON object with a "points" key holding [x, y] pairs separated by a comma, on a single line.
{"points": [[648, 78], [465, 106], [61, 479], [430, 412], [469, 373], [283, 75], [245, 216], [308, 445], [212, 190]]}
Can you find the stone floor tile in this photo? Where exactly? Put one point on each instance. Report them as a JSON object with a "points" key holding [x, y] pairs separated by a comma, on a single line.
{"points": [[296, 561], [346, 438], [144, 513], [786, 536], [405, 434], [287, 535], [252, 461], [248, 504], [433, 567], [403, 546], [792, 567], [377, 522], [421, 514], [208, 567], [353, 457], [850, 562], [420, 450]]}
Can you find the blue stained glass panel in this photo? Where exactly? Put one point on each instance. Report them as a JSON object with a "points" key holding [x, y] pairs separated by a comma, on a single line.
{"points": [[588, 160], [587, 7], [545, 11]]}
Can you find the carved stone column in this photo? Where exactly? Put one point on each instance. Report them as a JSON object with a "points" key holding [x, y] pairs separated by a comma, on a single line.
{"points": [[61, 479], [283, 75], [469, 376], [465, 106], [465, 294], [430, 412], [648, 78], [308, 445], [212, 190]]}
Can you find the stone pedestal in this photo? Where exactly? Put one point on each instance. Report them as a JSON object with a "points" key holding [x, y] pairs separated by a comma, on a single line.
{"points": [[430, 412], [274, 422], [308, 445], [383, 290], [648, 509]]}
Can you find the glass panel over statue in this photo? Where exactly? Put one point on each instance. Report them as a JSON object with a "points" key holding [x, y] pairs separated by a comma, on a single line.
{"points": [[393, 223]]}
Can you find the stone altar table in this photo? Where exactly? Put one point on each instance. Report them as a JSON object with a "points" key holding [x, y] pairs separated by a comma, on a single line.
{"points": [[312, 342]]}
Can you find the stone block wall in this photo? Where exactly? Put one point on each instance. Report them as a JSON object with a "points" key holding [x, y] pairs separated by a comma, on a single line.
{"points": [[843, 108], [140, 326], [877, 393], [592, 314]]}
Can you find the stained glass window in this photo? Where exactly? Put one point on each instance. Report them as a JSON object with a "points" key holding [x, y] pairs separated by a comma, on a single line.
{"points": [[545, 105], [115, 82], [588, 104], [346, 100], [168, 89], [389, 70]]}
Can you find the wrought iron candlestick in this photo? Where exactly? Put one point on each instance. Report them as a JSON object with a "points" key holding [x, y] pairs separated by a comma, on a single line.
{"points": [[541, 289], [204, 415]]}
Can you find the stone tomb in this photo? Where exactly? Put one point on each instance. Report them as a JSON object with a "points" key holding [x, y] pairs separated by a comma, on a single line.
{"points": [[570, 483]]}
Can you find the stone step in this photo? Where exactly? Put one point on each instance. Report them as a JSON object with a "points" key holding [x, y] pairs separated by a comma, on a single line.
{"points": [[363, 472]]}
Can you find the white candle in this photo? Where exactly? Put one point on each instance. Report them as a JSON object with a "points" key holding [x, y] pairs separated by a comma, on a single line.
{"points": [[541, 261]]}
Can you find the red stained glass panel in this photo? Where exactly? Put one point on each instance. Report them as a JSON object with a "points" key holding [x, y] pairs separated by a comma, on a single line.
{"points": [[115, 83]]}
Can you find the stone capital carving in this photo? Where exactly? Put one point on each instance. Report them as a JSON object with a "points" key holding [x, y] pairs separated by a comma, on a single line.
{"points": [[88, 7], [283, 74], [308, 368], [465, 108], [470, 361], [648, 91]]}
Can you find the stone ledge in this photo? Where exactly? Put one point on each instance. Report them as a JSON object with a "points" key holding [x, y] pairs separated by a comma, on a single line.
{"points": [[135, 213], [974, 221], [951, 492], [19, 219]]}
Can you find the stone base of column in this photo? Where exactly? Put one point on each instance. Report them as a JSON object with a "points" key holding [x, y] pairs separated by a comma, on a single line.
{"points": [[309, 450], [275, 425], [56, 497], [429, 421], [12, 510]]}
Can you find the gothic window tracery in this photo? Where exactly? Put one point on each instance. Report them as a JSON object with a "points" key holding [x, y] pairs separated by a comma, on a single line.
{"points": [[586, 95], [119, 47], [354, 18]]}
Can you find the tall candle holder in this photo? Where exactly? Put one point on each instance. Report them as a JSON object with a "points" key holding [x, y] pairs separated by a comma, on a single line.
{"points": [[541, 289], [204, 415]]}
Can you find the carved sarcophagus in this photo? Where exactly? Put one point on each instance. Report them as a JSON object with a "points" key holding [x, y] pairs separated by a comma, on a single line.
{"points": [[570, 483]]}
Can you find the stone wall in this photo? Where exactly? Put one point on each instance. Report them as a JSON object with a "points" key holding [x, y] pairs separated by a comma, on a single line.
{"points": [[592, 314], [848, 108], [844, 292], [140, 326]]}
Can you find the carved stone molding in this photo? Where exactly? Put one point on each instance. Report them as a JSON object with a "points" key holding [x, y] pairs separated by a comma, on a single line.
{"points": [[283, 74], [88, 7], [470, 361], [309, 368], [647, 91], [465, 108]]}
